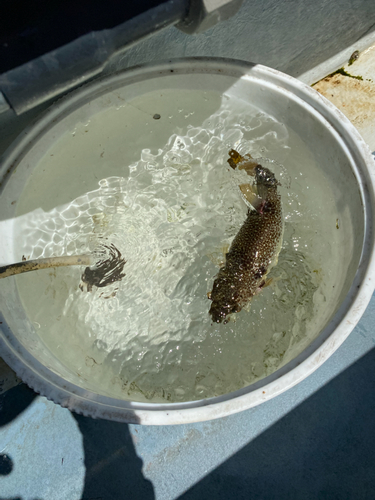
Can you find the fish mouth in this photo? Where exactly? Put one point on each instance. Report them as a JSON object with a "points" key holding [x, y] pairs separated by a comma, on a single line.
{"points": [[218, 316], [219, 313]]}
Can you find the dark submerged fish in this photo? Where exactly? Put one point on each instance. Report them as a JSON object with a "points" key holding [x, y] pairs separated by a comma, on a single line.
{"points": [[255, 249]]}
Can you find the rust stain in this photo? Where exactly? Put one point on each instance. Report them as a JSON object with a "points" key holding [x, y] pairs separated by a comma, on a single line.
{"points": [[355, 98]]}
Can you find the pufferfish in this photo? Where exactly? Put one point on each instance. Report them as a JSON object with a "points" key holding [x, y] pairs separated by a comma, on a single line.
{"points": [[255, 248]]}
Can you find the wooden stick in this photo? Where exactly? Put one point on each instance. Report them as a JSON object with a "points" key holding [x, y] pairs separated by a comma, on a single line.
{"points": [[34, 265]]}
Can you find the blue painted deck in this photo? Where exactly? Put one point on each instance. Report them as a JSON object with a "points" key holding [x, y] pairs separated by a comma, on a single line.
{"points": [[315, 441]]}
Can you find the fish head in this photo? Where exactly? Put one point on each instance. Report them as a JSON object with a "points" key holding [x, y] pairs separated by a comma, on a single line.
{"points": [[224, 302], [265, 177]]}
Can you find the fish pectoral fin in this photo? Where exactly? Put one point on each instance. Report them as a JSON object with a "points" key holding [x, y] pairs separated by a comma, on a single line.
{"points": [[247, 306], [274, 280], [232, 318], [225, 248], [250, 195], [218, 257], [267, 282], [264, 283]]}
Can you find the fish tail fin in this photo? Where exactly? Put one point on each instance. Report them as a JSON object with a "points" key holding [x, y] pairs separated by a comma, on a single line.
{"points": [[246, 162]]}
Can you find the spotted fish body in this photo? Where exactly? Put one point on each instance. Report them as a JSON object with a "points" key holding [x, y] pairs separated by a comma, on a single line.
{"points": [[253, 252]]}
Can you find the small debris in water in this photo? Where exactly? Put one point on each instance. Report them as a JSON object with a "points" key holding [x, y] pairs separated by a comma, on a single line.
{"points": [[106, 271], [337, 224], [156, 116]]}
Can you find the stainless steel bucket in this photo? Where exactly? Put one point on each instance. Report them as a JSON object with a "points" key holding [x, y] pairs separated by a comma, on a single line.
{"points": [[330, 136]]}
